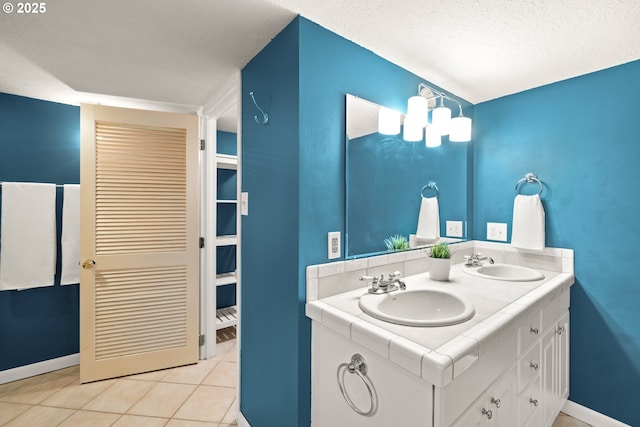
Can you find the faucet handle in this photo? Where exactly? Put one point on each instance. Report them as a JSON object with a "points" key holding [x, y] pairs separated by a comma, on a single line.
{"points": [[368, 279], [394, 275]]}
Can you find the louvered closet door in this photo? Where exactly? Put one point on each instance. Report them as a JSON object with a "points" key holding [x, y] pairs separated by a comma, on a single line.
{"points": [[139, 244]]}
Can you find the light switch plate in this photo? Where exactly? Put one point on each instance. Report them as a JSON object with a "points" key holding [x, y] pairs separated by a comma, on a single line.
{"points": [[497, 231], [333, 243], [244, 203], [454, 229]]}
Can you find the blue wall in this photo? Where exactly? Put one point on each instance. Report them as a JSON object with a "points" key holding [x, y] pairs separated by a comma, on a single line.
{"points": [[294, 171], [270, 313], [39, 142], [582, 137]]}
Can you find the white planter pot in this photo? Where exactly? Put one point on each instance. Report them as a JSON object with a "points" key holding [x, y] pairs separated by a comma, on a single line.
{"points": [[439, 268]]}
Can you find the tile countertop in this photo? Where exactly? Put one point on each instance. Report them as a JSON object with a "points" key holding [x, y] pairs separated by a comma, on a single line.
{"points": [[440, 354]]}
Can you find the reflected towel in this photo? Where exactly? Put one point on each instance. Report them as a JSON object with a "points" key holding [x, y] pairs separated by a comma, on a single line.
{"points": [[528, 223], [28, 235], [428, 219], [70, 235]]}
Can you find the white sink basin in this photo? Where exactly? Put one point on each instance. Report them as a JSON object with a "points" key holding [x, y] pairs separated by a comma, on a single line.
{"points": [[513, 273], [418, 308]]}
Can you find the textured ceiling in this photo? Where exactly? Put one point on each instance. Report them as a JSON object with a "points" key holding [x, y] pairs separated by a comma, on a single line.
{"points": [[182, 52], [484, 49]]}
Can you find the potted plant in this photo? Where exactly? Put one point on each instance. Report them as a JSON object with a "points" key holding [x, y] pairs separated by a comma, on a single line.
{"points": [[439, 262], [397, 243]]}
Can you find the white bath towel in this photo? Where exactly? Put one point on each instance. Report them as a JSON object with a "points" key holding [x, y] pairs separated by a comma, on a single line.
{"points": [[27, 235], [528, 223], [70, 235], [428, 219]]}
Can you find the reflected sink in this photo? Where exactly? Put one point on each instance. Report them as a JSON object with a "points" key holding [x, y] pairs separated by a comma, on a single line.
{"points": [[513, 273], [426, 307]]}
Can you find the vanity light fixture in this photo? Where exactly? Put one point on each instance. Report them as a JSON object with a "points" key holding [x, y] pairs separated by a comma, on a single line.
{"points": [[432, 137], [388, 121], [458, 128], [413, 131], [418, 106], [441, 118]]}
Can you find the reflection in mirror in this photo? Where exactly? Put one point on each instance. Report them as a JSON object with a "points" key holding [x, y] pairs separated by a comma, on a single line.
{"points": [[384, 178]]}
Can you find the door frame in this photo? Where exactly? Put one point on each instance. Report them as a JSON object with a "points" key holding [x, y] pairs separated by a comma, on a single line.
{"points": [[225, 100]]}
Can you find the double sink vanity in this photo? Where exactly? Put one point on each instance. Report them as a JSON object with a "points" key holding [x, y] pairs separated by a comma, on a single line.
{"points": [[489, 347]]}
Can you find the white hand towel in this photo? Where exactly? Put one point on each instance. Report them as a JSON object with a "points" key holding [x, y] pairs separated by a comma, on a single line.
{"points": [[27, 235], [528, 223], [429, 219], [70, 235]]}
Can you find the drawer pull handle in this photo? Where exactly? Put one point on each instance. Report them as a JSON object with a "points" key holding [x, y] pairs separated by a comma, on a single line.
{"points": [[487, 412], [496, 402], [534, 366], [534, 331], [357, 366], [560, 330], [533, 401]]}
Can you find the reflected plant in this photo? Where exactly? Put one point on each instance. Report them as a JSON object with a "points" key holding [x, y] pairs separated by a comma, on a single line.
{"points": [[397, 242]]}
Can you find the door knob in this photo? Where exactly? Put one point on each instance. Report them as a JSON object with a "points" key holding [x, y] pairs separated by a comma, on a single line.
{"points": [[88, 264]]}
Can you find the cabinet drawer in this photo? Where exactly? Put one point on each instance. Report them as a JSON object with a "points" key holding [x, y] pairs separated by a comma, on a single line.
{"points": [[529, 401], [528, 366], [529, 330], [556, 308]]}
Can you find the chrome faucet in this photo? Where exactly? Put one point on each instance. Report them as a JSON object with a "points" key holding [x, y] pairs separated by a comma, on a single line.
{"points": [[476, 259], [380, 285]]}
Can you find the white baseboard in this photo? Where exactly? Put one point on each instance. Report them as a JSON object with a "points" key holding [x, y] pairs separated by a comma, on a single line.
{"points": [[590, 416], [43, 367], [242, 421]]}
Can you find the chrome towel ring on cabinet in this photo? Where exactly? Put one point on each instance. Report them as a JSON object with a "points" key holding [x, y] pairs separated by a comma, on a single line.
{"points": [[431, 185], [529, 178], [357, 366]]}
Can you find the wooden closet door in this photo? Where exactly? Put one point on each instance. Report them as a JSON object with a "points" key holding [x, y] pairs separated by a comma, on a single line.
{"points": [[139, 241]]}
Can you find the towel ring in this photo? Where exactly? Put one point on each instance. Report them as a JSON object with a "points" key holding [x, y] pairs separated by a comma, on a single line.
{"points": [[357, 366], [431, 185], [529, 178]]}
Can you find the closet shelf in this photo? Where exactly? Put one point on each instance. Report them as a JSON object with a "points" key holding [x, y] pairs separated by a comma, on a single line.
{"points": [[226, 279], [228, 240], [225, 317], [226, 161]]}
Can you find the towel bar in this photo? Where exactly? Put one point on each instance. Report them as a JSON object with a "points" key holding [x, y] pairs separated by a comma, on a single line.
{"points": [[529, 178], [431, 185]]}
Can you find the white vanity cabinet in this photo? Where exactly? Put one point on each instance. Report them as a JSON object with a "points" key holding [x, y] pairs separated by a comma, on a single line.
{"points": [[509, 369]]}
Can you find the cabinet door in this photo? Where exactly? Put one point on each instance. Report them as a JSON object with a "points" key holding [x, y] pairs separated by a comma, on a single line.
{"points": [[549, 375], [562, 348]]}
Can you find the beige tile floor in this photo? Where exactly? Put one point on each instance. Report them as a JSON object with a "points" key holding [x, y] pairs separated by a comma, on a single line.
{"points": [[565, 420], [201, 395]]}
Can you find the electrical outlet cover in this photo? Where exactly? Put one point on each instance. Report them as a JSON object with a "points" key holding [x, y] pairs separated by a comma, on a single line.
{"points": [[454, 229], [333, 243], [497, 231]]}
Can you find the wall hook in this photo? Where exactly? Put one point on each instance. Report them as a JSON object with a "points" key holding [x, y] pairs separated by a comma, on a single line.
{"points": [[265, 117]]}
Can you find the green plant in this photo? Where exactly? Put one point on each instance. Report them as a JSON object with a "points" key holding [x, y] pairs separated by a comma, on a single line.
{"points": [[397, 243], [440, 250]]}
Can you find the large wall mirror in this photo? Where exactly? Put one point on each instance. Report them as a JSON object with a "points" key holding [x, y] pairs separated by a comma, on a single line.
{"points": [[385, 176]]}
